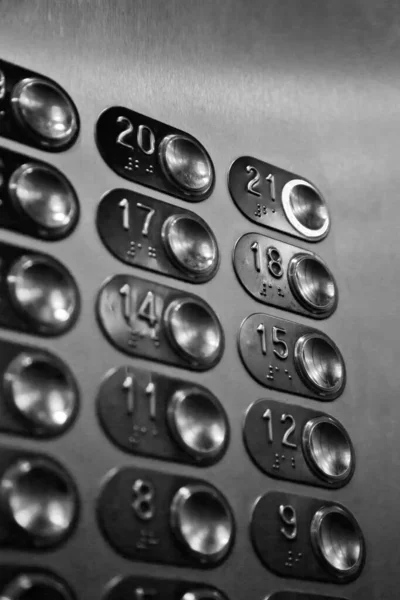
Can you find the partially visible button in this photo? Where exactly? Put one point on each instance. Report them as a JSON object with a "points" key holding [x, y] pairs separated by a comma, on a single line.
{"points": [[46, 197], [42, 390], [186, 163], [320, 364], [45, 111], [198, 423], [194, 330], [38, 496], [191, 245], [203, 594], [44, 292], [203, 522], [35, 586]]}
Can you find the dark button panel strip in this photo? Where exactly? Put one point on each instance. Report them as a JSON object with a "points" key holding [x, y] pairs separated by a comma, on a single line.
{"points": [[154, 154], [36, 198], [151, 516], [157, 236], [291, 357], [278, 199], [36, 111], [23, 582], [149, 588], [160, 323], [150, 414], [295, 443], [307, 538], [285, 276], [301, 596]]}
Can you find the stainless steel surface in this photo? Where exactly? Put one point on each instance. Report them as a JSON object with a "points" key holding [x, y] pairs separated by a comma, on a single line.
{"points": [[319, 363], [35, 586], [45, 111], [191, 244], [202, 522], [186, 163], [337, 540], [202, 594], [312, 283], [44, 196], [43, 292], [328, 449], [42, 390], [305, 209], [39, 498], [197, 422]]}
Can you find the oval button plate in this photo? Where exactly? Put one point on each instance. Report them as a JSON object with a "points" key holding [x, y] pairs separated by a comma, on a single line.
{"points": [[149, 588]]}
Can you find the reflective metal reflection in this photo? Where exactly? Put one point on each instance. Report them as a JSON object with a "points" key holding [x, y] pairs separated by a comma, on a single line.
{"points": [[39, 498], [44, 292], [191, 244], [312, 283], [41, 388], [45, 111], [35, 586], [320, 363], [198, 422], [337, 540], [44, 195], [305, 209], [202, 594], [328, 449], [202, 521], [186, 163]]}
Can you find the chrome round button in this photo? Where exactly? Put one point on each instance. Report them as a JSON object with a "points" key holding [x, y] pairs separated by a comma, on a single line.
{"points": [[45, 111], [43, 391], [44, 292], [45, 196], [312, 283], [194, 331], [186, 164], [337, 540], [320, 364], [202, 521], [328, 449], [198, 423], [191, 245], [305, 209], [35, 586], [39, 498], [203, 594]]}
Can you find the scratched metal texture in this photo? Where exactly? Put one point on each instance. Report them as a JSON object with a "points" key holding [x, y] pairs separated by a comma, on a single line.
{"points": [[310, 85]]}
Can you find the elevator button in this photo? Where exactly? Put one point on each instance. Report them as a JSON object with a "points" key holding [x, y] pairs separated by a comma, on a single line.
{"points": [[198, 422], [312, 283], [203, 594], [202, 521], [328, 449], [191, 244], [40, 499], [45, 111], [42, 390], [186, 163], [337, 540], [44, 292], [319, 363], [44, 195], [35, 586], [305, 209], [194, 331]]}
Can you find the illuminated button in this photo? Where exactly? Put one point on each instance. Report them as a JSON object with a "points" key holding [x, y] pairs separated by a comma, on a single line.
{"points": [[186, 163], [35, 586], [191, 245], [194, 331], [40, 499], [203, 594], [198, 423], [44, 195], [337, 540], [320, 364], [202, 521], [41, 388], [305, 209], [44, 292], [312, 283], [328, 449], [45, 111]]}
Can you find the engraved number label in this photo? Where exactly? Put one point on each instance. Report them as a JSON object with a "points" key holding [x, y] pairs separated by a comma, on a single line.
{"points": [[147, 310], [145, 137], [288, 517], [285, 439], [255, 179], [271, 180], [150, 212], [2, 85], [143, 502], [274, 260], [283, 351]]}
